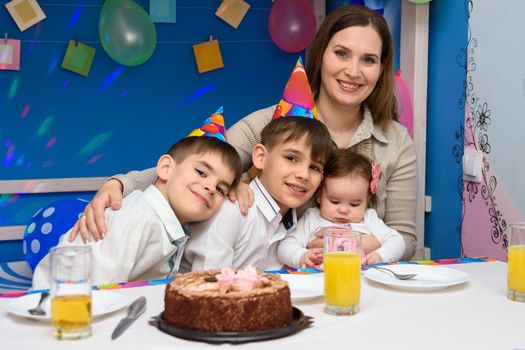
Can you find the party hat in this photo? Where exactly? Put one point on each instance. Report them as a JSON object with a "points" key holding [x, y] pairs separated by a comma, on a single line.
{"points": [[297, 97], [212, 127]]}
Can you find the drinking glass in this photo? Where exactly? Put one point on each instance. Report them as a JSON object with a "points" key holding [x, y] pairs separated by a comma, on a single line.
{"points": [[342, 270], [71, 291], [516, 262]]}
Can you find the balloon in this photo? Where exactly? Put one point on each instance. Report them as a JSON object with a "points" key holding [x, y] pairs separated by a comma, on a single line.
{"points": [[292, 24], [375, 4], [47, 226], [126, 32], [405, 111]]}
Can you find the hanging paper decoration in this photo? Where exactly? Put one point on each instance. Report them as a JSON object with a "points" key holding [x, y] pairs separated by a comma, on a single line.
{"points": [[9, 54], [126, 32], [163, 11], [208, 55], [78, 57], [232, 11], [25, 13], [292, 24]]}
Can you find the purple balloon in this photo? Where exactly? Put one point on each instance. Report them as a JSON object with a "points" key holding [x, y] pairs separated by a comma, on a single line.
{"points": [[292, 24]]}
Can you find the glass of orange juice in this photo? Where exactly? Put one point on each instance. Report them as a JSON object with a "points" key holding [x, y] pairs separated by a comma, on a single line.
{"points": [[516, 262], [71, 274], [342, 270]]}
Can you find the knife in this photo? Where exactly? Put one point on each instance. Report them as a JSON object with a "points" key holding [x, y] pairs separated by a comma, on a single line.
{"points": [[134, 311]]}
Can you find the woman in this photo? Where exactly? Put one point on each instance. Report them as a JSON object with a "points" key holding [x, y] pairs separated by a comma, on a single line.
{"points": [[350, 67]]}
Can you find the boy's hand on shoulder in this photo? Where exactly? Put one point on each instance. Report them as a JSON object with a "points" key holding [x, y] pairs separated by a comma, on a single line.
{"points": [[244, 195], [92, 224]]}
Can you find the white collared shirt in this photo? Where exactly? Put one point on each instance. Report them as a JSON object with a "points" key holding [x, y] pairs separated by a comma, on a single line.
{"points": [[230, 239], [144, 241], [294, 245]]}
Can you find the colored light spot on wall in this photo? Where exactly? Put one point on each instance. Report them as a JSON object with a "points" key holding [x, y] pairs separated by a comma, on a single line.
{"points": [[29, 165], [20, 160], [9, 155], [111, 77], [13, 198], [124, 93], [48, 164], [29, 186], [66, 83], [51, 142], [203, 90], [95, 143], [3, 200], [75, 17], [94, 159], [7, 142], [36, 34], [45, 125], [52, 65], [25, 111], [13, 88]]}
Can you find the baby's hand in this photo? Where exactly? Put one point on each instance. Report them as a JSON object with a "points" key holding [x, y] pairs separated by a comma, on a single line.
{"points": [[373, 258], [312, 257]]}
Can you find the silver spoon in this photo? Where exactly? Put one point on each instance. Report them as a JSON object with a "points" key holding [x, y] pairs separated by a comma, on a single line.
{"points": [[399, 276], [38, 310]]}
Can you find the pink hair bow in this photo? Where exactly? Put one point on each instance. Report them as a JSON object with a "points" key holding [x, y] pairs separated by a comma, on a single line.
{"points": [[376, 170]]}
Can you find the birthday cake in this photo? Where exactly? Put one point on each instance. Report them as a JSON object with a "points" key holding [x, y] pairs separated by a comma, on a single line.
{"points": [[228, 301]]}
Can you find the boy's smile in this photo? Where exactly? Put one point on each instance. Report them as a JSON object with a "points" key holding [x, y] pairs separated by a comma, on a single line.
{"points": [[288, 172], [196, 187]]}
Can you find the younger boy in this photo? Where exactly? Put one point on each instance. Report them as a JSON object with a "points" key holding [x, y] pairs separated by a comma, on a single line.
{"points": [[290, 161], [147, 236]]}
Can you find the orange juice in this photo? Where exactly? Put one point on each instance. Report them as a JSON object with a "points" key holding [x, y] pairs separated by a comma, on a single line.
{"points": [[516, 268], [71, 312], [342, 278]]}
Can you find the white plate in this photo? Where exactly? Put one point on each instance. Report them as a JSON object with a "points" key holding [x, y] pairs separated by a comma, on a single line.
{"points": [[304, 287], [428, 277], [103, 302]]}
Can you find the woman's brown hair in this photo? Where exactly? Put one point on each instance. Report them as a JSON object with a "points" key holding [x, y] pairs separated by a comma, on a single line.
{"points": [[381, 102]]}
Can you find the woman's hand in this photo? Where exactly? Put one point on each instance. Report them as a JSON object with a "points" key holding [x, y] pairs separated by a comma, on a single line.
{"points": [[317, 242], [92, 224], [244, 195]]}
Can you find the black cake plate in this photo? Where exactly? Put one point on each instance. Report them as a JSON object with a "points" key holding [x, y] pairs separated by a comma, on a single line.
{"points": [[300, 322]]}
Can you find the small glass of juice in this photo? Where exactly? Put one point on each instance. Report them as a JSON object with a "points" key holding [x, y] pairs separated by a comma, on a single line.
{"points": [[342, 270], [516, 262], [71, 274]]}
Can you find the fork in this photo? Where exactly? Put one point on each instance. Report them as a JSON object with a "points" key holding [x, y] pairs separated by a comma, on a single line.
{"points": [[399, 276], [38, 310]]}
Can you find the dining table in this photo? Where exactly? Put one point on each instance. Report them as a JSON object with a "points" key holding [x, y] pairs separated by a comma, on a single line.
{"points": [[473, 315]]}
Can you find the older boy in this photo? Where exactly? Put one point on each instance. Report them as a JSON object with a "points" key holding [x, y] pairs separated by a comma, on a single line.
{"points": [[290, 161], [148, 234]]}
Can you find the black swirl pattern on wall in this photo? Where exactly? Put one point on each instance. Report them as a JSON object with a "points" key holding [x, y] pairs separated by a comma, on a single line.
{"points": [[476, 128]]}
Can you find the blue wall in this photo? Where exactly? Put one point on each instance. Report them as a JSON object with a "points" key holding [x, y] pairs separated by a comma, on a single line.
{"points": [[445, 120], [55, 123]]}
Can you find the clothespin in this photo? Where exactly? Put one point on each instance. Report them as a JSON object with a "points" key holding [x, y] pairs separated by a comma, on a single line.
{"points": [[211, 39], [5, 38]]}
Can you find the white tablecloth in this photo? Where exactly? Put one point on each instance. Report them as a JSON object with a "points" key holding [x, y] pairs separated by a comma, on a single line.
{"points": [[475, 315]]}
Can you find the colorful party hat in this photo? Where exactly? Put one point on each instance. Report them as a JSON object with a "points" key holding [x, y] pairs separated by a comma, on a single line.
{"points": [[212, 127], [297, 97]]}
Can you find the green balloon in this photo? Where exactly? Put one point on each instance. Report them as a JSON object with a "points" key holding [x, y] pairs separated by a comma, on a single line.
{"points": [[126, 32]]}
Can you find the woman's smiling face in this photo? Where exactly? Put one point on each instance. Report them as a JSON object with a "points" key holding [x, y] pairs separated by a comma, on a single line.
{"points": [[351, 66]]}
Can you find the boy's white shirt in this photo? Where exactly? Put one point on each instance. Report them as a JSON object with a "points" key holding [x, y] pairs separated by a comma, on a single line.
{"points": [[294, 245], [143, 236], [230, 239]]}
